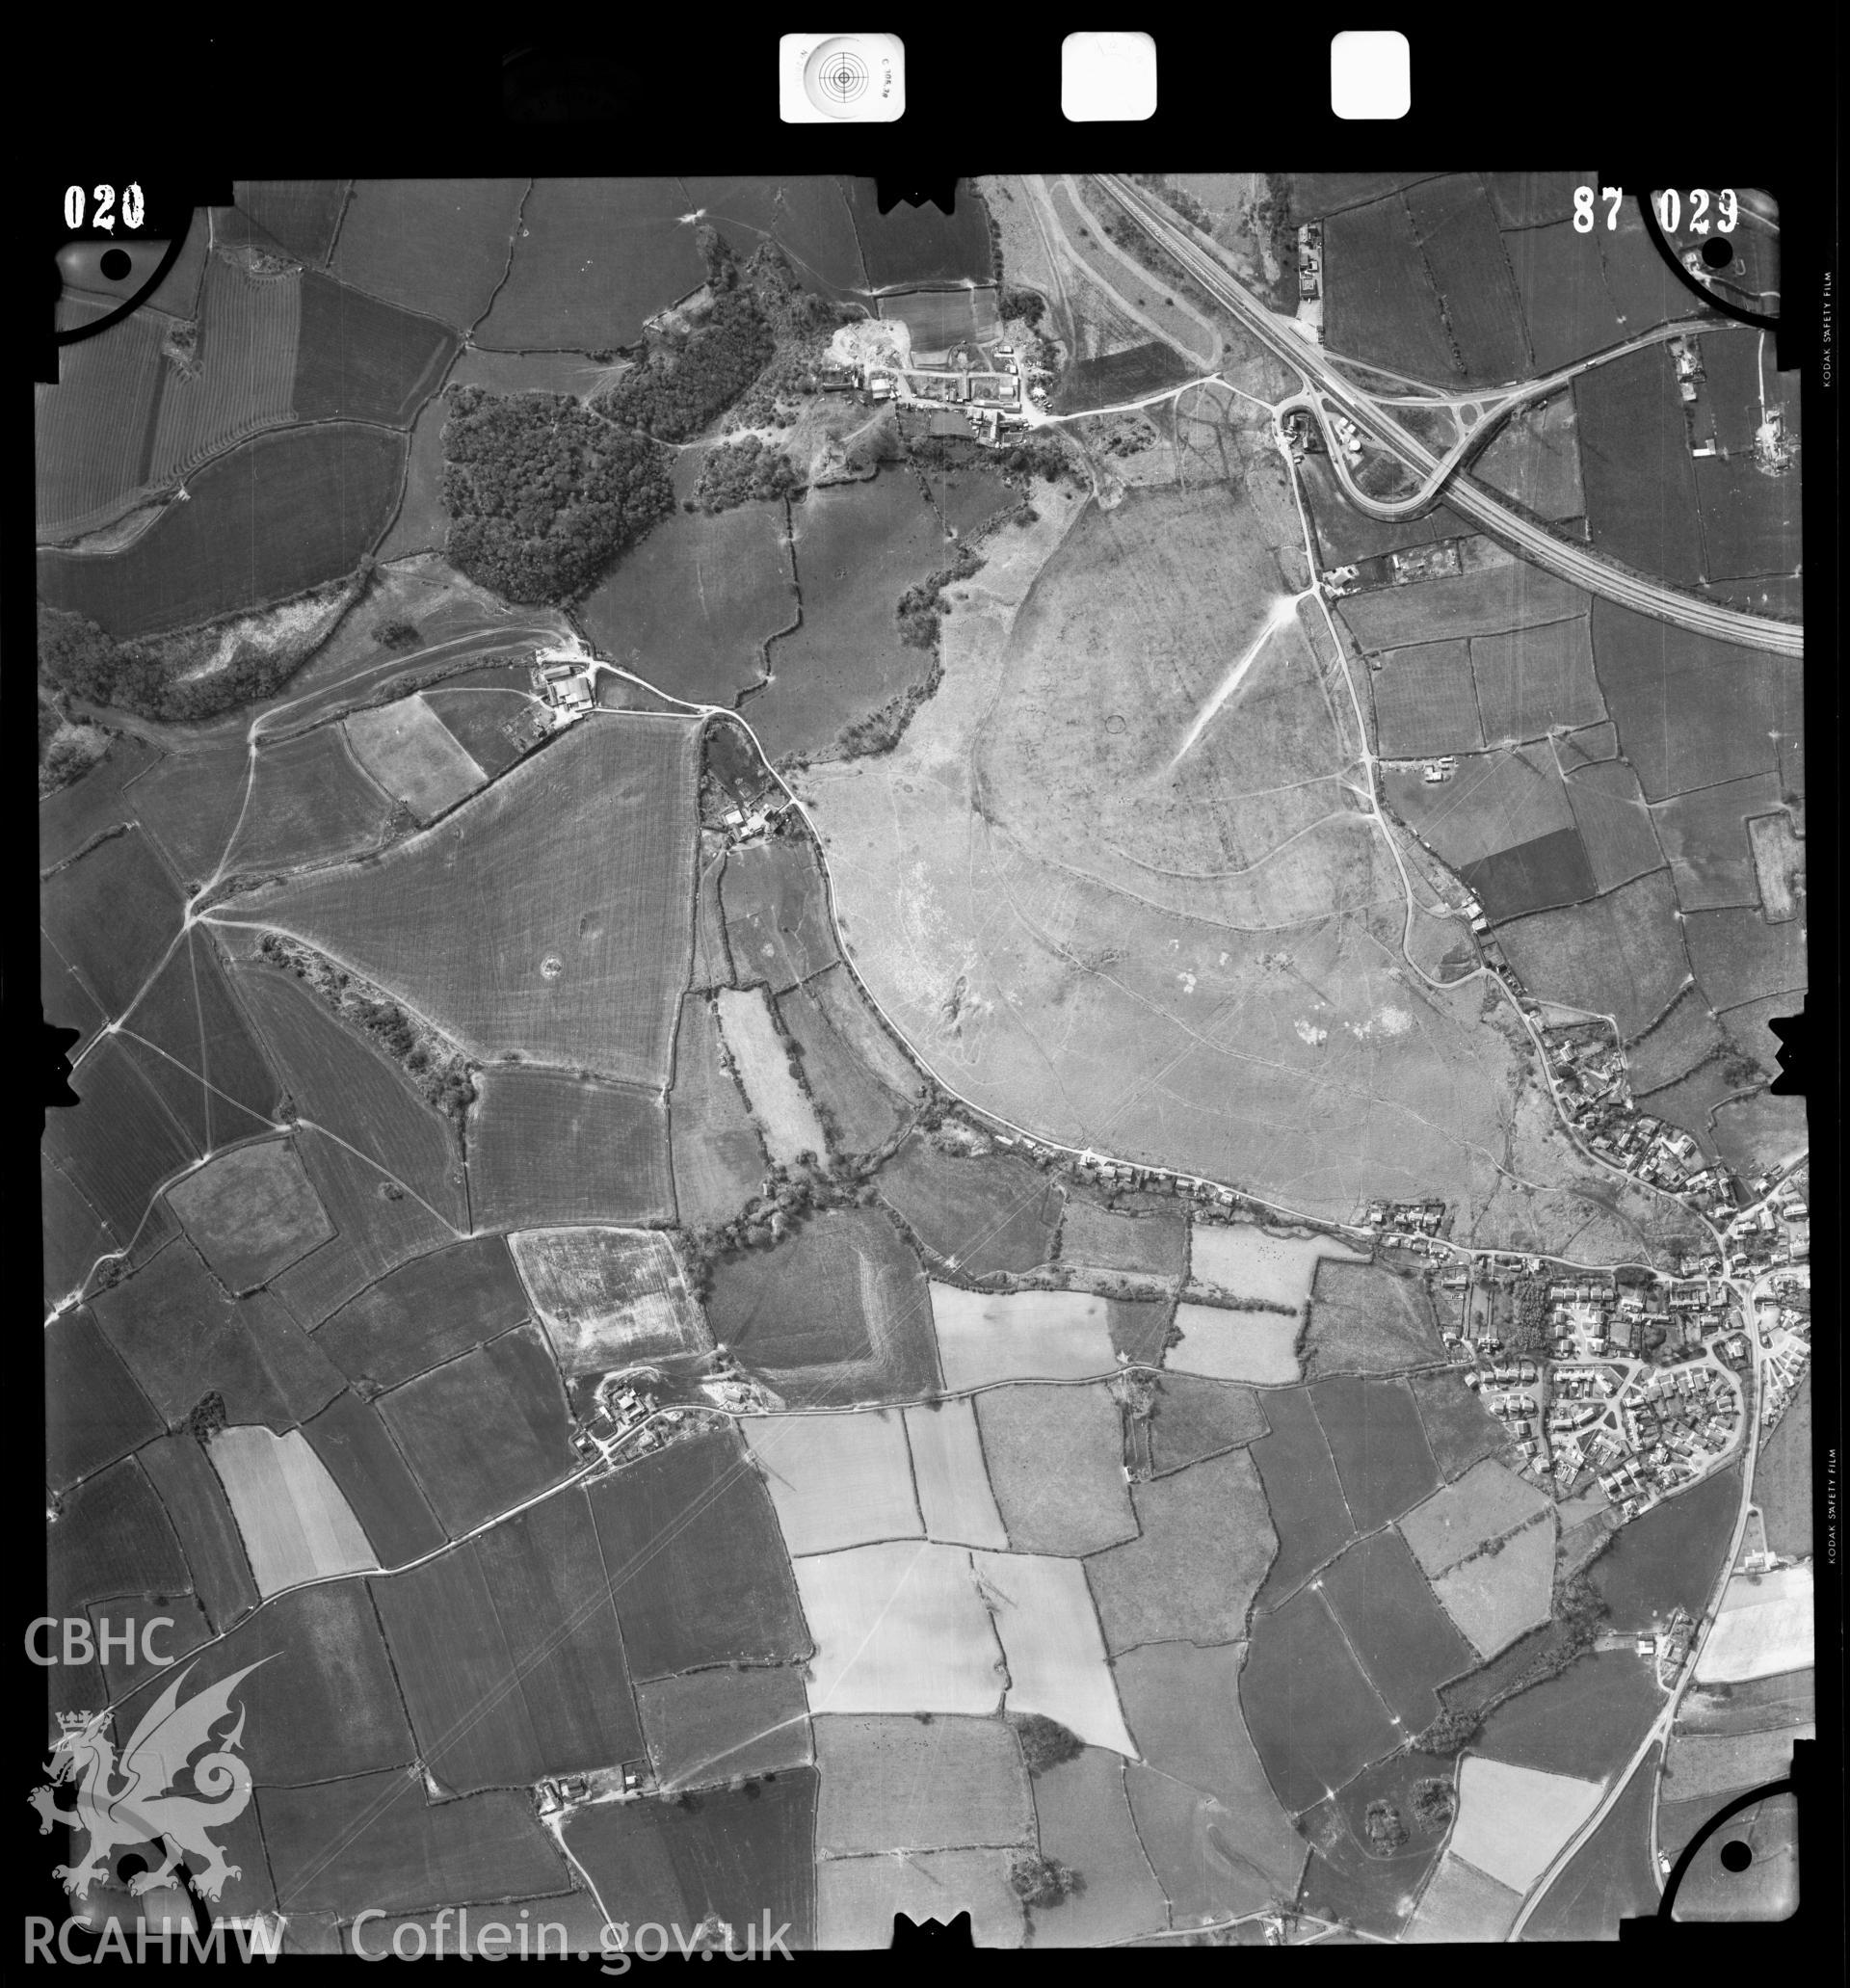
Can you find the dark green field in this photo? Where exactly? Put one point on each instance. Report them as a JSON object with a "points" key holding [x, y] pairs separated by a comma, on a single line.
{"points": [[93, 1411], [119, 1143], [368, 1466], [1610, 1877], [696, 1561], [268, 520], [427, 1311], [1583, 1721], [982, 1215], [1407, 1645], [1307, 1507], [183, 1337], [113, 1537], [1374, 1433], [1313, 1716], [180, 1471], [376, 1840], [486, 1431], [300, 214], [433, 244], [524, 1607], [1671, 1557]]}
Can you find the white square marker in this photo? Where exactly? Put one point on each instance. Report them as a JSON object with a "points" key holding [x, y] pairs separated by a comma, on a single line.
{"points": [[1107, 79], [1370, 75]]}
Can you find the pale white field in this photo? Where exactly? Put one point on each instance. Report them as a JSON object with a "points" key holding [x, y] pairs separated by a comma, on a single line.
{"points": [[1764, 1627], [295, 1525], [1235, 1345], [1246, 1262], [1485, 1503], [836, 1480], [1511, 1820], [952, 1477], [1461, 1906], [780, 1103], [1497, 1596], [1020, 1336], [412, 753], [1056, 1651], [899, 1628], [858, 1897], [608, 1297]]}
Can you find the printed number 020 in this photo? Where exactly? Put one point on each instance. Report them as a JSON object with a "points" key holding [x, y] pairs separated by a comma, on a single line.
{"points": [[104, 216], [1583, 207]]}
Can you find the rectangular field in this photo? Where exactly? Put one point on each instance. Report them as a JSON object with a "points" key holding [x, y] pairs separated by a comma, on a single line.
{"points": [[1235, 1345], [413, 755], [90, 427], [113, 1537], [1511, 1820], [1634, 454], [951, 1475], [1407, 1646], [274, 517], [243, 369], [1537, 679], [549, 917], [858, 1898], [427, 1311], [900, 1628], [302, 214], [183, 1337], [1306, 1499], [1490, 602], [837, 1313], [337, 1080], [891, 1783], [1085, 1823], [696, 1560], [1056, 1458], [1739, 957], [377, 1838], [1726, 701], [297, 1526], [189, 1487], [779, 1101], [593, 259], [608, 1297], [837, 1480], [548, 1145], [1425, 702], [938, 318], [719, 1160], [1615, 823], [776, 912], [712, 1727], [524, 1606], [358, 360], [1105, 1239], [1705, 835], [982, 1214], [309, 801], [1764, 1627], [856, 1110], [1484, 1505], [1504, 1590], [1207, 1541], [1022, 1337], [1368, 1320], [1620, 955], [252, 1212], [1458, 239], [323, 1702], [1314, 1717], [433, 245], [485, 1432], [365, 1463], [93, 1411], [694, 606], [1561, 278], [1374, 1433], [1379, 299]]}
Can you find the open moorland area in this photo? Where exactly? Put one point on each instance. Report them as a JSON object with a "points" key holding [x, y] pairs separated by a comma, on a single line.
{"points": [[864, 1124]]}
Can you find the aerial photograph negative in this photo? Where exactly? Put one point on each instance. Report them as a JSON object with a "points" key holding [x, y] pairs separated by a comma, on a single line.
{"points": [[926, 1060]]}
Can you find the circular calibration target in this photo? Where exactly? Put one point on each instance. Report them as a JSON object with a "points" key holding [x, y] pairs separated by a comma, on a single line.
{"points": [[836, 77]]}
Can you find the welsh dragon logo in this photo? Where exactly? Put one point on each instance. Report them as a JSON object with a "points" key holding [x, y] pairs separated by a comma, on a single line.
{"points": [[130, 1802]]}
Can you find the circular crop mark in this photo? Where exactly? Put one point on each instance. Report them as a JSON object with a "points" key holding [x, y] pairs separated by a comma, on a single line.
{"points": [[1114, 723], [117, 263], [1718, 252], [551, 966], [1737, 1856]]}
